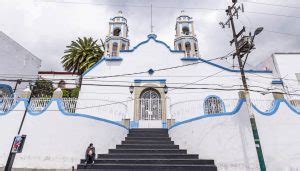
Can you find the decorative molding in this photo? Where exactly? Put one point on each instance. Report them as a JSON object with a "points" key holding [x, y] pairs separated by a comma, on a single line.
{"points": [[113, 58], [153, 37], [190, 59], [277, 82], [162, 81]]}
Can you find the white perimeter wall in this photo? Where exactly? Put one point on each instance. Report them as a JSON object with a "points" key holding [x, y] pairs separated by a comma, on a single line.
{"points": [[225, 139], [280, 138], [54, 140], [228, 139]]}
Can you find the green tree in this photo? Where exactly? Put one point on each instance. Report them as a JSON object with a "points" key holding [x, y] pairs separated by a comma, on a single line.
{"points": [[43, 88], [81, 55]]}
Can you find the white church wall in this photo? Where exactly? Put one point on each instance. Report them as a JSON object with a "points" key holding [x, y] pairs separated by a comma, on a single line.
{"points": [[155, 55], [279, 134], [56, 139], [225, 138]]}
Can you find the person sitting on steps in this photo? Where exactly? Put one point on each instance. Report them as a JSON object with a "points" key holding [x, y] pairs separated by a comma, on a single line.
{"points": [[90, 154]]}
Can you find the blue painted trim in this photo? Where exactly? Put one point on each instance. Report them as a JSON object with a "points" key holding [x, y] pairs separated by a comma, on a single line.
{"points": [[233, 70], [218, 98], [275, 107], [153, 37], [134, 124], [189, 59], [269, 112], [113, 58], [119, 17], [62, 110], [162, 81], [235, 110], [8, 88], [95, 65], [164, 124], [277, 82]]}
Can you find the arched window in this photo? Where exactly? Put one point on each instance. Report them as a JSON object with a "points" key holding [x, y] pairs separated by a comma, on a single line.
{"points": [[179, 46], [123, 46], [187, 46], [185, 30], [213, 104], [117, 32], [195, 47], [114, 49]]}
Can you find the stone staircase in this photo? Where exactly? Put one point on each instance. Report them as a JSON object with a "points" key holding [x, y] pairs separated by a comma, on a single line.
{"points": [[148, 150]]}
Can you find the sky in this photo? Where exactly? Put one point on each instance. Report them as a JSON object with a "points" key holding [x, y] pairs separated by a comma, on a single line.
{"points": [[46, 27]]}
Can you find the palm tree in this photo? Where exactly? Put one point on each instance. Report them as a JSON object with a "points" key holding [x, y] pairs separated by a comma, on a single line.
{"points": [[81, 55]]}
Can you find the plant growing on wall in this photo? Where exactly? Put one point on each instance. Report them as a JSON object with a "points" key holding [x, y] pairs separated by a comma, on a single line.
{"points": [[82, 54]]}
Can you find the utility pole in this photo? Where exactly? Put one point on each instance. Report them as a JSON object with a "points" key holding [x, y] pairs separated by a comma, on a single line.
{"points": [[243, 46]]}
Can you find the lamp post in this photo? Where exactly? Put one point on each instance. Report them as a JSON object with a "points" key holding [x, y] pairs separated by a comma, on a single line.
{"points": [[166, 89], [131, 88], [256, 32], [12, 154]]}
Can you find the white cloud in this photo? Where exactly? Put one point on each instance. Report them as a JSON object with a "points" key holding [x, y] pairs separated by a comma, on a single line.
{"points": [[46, 27]]}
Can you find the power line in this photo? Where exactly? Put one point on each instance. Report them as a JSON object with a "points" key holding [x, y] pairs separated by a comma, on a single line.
{"points": [[270, 4], [272, 14]]}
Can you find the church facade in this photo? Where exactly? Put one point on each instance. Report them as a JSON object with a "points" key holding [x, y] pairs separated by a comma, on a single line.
{"points": [[157, 82]]}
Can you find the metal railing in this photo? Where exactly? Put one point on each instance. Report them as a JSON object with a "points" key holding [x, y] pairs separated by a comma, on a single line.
{"points": [[6, 103], [39, 104]]}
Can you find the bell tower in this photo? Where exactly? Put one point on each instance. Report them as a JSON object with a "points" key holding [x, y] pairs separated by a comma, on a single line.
{"points": [[185, 38], [117, 38]]}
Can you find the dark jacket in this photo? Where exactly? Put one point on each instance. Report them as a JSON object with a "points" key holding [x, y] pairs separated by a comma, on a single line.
{"points": [[88, 150]]}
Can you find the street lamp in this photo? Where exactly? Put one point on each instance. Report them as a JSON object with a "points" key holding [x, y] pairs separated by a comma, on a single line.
{"points": [[256, 32], [166, 89], [131, 88]]}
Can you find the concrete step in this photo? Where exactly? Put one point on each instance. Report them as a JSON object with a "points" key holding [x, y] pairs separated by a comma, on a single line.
{"points": [[148, 142], [147, 167], [147, 146], [148, 138], [147, 135], [147, 151], [147, 156], [150, 129], [153, 161]]}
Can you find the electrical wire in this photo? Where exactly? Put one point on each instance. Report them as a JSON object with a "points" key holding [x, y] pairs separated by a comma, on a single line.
{"points": [[270, 4]]}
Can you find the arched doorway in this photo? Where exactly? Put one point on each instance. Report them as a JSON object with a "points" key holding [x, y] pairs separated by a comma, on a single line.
{"points": [[150, 103]]}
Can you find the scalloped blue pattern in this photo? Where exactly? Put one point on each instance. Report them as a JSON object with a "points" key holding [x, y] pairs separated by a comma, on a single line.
{"points": [[270, 112], [62, 110]]}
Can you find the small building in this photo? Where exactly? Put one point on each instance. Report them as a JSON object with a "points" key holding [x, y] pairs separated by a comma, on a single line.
{"points": [[61, 79], [17, 63], [286, 72]]}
